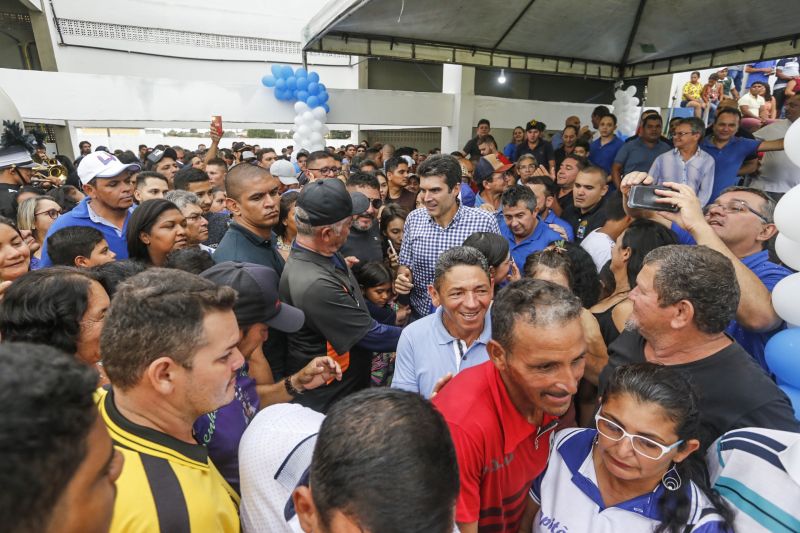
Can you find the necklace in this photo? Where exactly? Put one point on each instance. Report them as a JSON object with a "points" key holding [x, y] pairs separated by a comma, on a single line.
{"points": [[282, 245]]}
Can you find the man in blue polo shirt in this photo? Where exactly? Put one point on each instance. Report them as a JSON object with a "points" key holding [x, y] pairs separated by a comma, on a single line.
{"points": [[454, 337], [520, 225], [730, 151], [639, 154], [739, 225], [108, 204]]}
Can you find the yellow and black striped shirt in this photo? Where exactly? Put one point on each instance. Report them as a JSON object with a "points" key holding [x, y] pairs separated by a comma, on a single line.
{"points": [[166, 485]]}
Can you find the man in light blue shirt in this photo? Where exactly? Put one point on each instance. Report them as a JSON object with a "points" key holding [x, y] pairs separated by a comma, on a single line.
{"points": [[455, 336], [687, 163]]}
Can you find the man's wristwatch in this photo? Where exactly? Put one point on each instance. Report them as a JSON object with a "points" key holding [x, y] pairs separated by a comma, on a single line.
{"points": [[293, 392]]}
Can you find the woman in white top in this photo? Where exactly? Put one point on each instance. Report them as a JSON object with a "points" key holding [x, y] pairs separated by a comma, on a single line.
{"points": [[636, 471]]}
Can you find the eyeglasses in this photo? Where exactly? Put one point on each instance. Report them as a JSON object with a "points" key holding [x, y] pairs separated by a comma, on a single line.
{"points": [[193, 218], [327, 170], [641, 445], [683, 133], [735, 207], [527, 167], [52, 213], [376, 203]]}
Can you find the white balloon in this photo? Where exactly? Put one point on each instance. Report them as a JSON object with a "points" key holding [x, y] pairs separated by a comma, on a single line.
{"points": [[787, 212], [296, 137], [304, 130], [315, 137], [316, 125], [308, 118], [785, 296], [791, 143], [635, 101], [788, 250], [300, 107], [319, 113], [324, 131], [618, 94], [631, 91], [298, 120]]}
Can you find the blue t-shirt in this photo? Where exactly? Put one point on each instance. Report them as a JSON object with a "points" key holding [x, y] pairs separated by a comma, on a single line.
{"points": [[80, 216], [728, 160], [753, 77], [770, 274], [551, 218], [636, 156], [541, 237], [468, 197], [603, 155], [220, 431]]}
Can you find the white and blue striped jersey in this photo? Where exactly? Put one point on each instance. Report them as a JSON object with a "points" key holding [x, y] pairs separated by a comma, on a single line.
{"points": [[570, 499]]}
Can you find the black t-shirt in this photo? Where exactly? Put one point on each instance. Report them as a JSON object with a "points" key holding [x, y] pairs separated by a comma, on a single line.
{"points": [[543, 152], [585, 223], [733, 390], [407, 200], [337, 318], [565, 202], [8, 200], [365, 245], [217, 227]]}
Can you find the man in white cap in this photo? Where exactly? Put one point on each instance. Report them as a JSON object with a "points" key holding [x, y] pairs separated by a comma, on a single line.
{"points": [[16, 169], [285, 172], [108, 204]]}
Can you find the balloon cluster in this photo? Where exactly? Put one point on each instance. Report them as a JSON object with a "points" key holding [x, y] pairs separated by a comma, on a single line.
{"points": [[783, 348], [311, 103], [626, 109], [293, 85]]}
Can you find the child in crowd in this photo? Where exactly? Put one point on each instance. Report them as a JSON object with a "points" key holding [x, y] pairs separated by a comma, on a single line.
{"points": [[376, 279], [79, 246], [712, 93]]}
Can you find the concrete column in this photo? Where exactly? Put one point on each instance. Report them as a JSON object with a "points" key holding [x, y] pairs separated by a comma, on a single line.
{"points": [[66, 140], [460, 82]]}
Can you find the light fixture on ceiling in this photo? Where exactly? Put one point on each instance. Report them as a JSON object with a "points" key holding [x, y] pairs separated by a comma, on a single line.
{"points": [[502, 77]]}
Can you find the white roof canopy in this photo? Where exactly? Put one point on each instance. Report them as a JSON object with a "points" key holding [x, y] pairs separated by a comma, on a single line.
{"points": [[596, 38]]}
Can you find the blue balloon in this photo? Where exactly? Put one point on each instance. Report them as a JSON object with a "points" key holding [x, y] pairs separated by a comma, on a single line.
{"points": [[313, 87], [781, 356], [286, 71], [276, 71], [323, 97], [268, 80], [794, 397], [302, 83], [279, 94], [313, 76], [322, 88], [326, 107], [300, 72], [312, 101], [302, 95], [280, 84], [291, 82]]}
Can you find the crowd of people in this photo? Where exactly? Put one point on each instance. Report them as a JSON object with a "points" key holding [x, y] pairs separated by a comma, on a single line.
{"points": [[374, 338]]}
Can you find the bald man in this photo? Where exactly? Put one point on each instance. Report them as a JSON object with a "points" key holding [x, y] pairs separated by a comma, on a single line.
{"points": [[253, 200]]}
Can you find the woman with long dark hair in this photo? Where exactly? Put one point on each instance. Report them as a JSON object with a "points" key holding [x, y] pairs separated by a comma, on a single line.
{"points": [[155, 229], [639, 470]]}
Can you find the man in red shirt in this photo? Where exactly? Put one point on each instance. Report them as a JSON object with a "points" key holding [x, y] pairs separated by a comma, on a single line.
{"points": [[501, 414]]}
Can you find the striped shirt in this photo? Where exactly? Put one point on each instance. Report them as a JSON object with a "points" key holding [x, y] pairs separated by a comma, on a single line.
{"points": [[424, 241], [167, 485]]}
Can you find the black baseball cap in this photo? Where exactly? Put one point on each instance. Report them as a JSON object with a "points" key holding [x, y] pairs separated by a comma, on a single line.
{"points": [[326, 201], [535, 125], [257, 301], [157, 155]]}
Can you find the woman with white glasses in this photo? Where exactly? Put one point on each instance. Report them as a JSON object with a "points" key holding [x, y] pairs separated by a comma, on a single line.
{"points": [[637, 471]]}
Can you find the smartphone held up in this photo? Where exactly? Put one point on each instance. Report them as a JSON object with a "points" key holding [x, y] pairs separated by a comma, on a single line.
{"points": [[644, 197]]}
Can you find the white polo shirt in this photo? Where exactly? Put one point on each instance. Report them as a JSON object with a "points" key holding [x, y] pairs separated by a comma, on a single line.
{"points": [[570, 500]]}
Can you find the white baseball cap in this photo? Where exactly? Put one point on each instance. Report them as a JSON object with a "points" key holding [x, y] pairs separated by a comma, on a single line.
{"points": [[102, 165], [284, 171]]}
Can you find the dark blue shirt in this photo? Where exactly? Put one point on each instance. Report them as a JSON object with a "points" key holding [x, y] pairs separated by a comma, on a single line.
{"points": [[603, 155], [241, 244], [728, 160]]}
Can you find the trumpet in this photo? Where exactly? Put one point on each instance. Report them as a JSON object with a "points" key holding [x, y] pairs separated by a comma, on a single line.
{"points": [[49, 173]]}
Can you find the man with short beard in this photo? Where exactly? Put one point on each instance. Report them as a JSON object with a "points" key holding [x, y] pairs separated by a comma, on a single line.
{"points": [[108, 204], [253, 200], [364, 241]]}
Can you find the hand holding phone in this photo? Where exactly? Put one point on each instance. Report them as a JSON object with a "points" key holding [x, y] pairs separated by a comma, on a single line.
{"points": [[644, 197], [216, 125]]}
